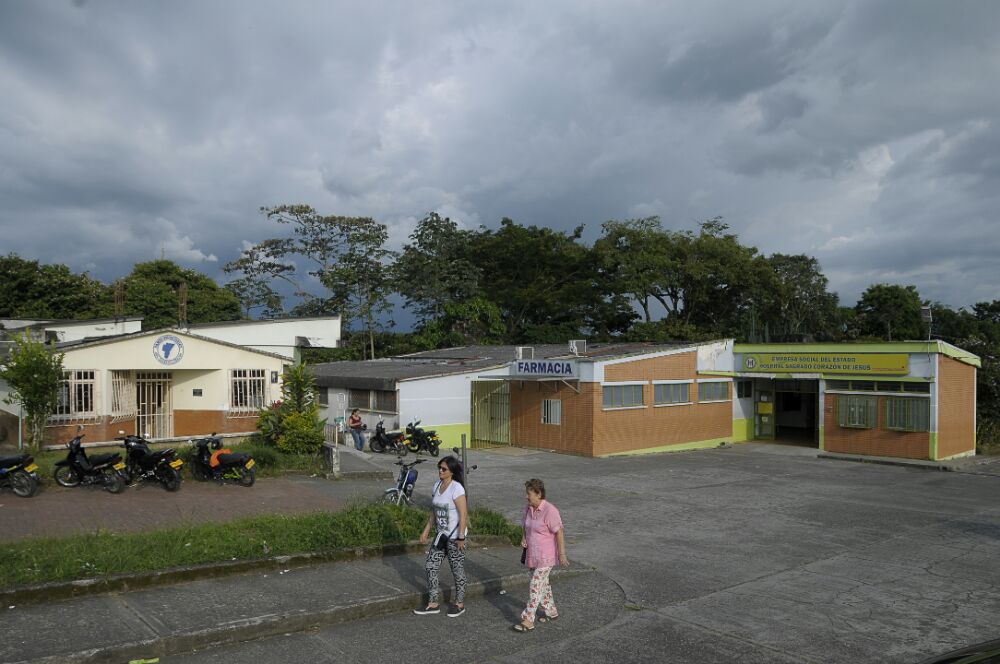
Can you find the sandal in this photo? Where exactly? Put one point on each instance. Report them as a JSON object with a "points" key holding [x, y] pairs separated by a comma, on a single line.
{"points": [[545, 619], [522, 627]]}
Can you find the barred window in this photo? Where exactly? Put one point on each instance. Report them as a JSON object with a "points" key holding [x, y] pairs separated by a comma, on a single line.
{"points": [[248, 391], [551, 411], [671, 393], [385, 400], [123, 396], [622, 396], [77, 395], [716, 391], [906, 414], [359, 399], [744, 389], [856, 412]]}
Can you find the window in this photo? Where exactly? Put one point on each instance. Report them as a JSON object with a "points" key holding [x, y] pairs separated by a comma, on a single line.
{"points": [[551, 411], [907, 414], [744, 389], [856, 412], [671, 393], [323, 396], [623, 396], [123, 393], [248, 390], [385, 400], [76, 395], [717, 391], [358, 399]]}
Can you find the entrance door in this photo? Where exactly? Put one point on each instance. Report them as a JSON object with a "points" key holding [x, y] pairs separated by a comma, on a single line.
{"points": [[764, 414], [155, 417], [490, 421]]}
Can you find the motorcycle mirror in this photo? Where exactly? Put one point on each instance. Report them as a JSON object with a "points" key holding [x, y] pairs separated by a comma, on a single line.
{"points": [[79, 427], [121, 433], [145, 434]]}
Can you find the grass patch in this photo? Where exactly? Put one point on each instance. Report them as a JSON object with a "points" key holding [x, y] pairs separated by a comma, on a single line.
{"points": [[95, 555]]}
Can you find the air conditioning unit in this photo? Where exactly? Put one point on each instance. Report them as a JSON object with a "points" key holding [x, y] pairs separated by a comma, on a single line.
{"points": [[578, 346], [524, 353]]}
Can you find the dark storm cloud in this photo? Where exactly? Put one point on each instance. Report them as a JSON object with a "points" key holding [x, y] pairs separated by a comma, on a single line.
{"points": [[862, 133]]}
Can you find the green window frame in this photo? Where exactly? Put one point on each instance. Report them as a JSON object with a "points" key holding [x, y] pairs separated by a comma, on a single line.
{"points": [[714, 391], [668, 393], [907, 414], [623, 396], [856, 412]]}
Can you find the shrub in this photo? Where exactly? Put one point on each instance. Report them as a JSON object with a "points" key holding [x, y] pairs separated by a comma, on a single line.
{"points": [[300, 434]]}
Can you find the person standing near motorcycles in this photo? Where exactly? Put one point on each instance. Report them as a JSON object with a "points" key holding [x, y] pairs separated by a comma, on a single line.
{"points": [[354, 425], [450, 514]]}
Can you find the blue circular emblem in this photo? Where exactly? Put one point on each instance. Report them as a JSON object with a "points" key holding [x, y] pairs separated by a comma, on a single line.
{"points": [[168, 349]]}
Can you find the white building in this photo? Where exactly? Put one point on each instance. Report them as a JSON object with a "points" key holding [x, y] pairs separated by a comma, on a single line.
{"points": [[282, 336]]}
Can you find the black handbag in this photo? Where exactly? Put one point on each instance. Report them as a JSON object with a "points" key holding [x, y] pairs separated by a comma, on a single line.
{"points": [[524, 554]]}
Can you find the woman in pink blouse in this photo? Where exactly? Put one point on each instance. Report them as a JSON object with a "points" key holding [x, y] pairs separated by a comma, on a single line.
{"points": [[546, 547]]}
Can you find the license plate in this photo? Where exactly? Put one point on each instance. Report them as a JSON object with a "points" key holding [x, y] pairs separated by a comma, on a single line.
{"points": [[32, 468], [118, 466], [176, 463], [250, 464]]}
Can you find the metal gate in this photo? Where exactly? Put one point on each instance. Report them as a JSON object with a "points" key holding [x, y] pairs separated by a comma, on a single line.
{"points": [[490, 413], [155, 417]]}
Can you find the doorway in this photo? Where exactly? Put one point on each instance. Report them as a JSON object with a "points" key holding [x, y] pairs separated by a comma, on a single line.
{"points": [[155, 413], [490, 425], [796, 412]]}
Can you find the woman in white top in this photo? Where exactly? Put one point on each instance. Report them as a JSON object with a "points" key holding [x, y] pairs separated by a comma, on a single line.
{"points": [[451, 515]]}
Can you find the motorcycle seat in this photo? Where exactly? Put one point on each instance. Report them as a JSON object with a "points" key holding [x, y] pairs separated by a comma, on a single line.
{"points": [[236, 457], [10, 461], [98, 459]]}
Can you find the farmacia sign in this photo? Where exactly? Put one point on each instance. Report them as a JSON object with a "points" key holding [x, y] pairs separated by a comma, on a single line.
{"points": [[545, 368]]}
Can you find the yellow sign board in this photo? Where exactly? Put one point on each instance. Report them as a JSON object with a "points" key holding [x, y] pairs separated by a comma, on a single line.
{"points": [[828, 363]]}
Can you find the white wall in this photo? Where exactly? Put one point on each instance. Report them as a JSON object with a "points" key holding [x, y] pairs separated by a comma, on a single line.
{"points": [[441, 400], [276, 336]]}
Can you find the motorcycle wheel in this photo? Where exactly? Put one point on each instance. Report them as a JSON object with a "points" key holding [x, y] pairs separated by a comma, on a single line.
{"points": [[113, 481], [23, 484], [199, 473], [247, 477], [170, 479], [390, 497], [434, 450], [401, 451], [66, 476], [376, 446], [413, 447]]}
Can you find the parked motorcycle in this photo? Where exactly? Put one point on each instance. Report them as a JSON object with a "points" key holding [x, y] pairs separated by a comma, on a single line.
{"points": [[19, 473], [391, 441], [79, 469], [402, 493], [211, 461], [144, 463], [421, 439]]}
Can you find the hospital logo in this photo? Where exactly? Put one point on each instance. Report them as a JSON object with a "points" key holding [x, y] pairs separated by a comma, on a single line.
{"points": [[751, 362], [168, 349]]}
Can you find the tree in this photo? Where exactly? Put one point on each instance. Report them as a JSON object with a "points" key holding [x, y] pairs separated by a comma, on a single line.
{"points": [[152, 291], [31, 290], [293, 424], [888, 311], [434, 270], [34, 373], [635, 254], [346, 255], [475, 321], [256, 294], [796, 304]]}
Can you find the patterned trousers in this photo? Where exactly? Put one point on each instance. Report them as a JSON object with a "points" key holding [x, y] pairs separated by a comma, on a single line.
{"points": [[456, 558], [539, 595]]}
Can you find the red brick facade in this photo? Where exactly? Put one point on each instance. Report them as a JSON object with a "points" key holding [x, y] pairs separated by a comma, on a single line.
{"points": [[956, 407]]}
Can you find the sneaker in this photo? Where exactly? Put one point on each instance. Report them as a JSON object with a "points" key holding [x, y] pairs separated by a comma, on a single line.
{"points": [[455, 611], [427, 611]]}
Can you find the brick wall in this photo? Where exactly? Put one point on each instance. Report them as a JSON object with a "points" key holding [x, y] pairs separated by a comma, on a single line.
{"points": [[956, 407], [872, 442], [589, 430], [186, 423]]}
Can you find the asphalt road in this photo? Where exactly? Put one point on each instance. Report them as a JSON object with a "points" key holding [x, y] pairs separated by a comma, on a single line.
{"points": [[758, 553]]}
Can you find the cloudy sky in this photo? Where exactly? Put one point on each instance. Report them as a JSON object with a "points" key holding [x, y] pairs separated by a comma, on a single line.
{"points": [[863, 133]]}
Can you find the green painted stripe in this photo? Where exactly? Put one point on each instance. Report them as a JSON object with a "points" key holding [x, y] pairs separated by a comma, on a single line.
{"points": [[451, 434], [742, 429], [821, 440], [933, 451], [679, 447]]}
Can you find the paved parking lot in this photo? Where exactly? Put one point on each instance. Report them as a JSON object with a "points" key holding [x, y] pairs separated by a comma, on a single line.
{"points": [[754, 553]]}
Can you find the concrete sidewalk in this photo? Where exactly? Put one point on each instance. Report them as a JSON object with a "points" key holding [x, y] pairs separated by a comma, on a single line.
{"points": [[181, 618]]}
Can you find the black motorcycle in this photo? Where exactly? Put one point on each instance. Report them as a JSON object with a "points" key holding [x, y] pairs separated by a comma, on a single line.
{"points": [[144, 463], [421, 439], [79, 469], [211, 461], [391, 441], [19, 473]]}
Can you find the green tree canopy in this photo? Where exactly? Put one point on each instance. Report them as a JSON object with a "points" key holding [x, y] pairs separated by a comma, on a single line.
{"points": [[890, 311], [34, 372], [29, 289], [152, 291]]}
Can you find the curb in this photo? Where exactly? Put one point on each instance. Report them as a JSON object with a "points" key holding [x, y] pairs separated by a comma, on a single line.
{"points": [[277, 624], [59, 590], [891, 461]]}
